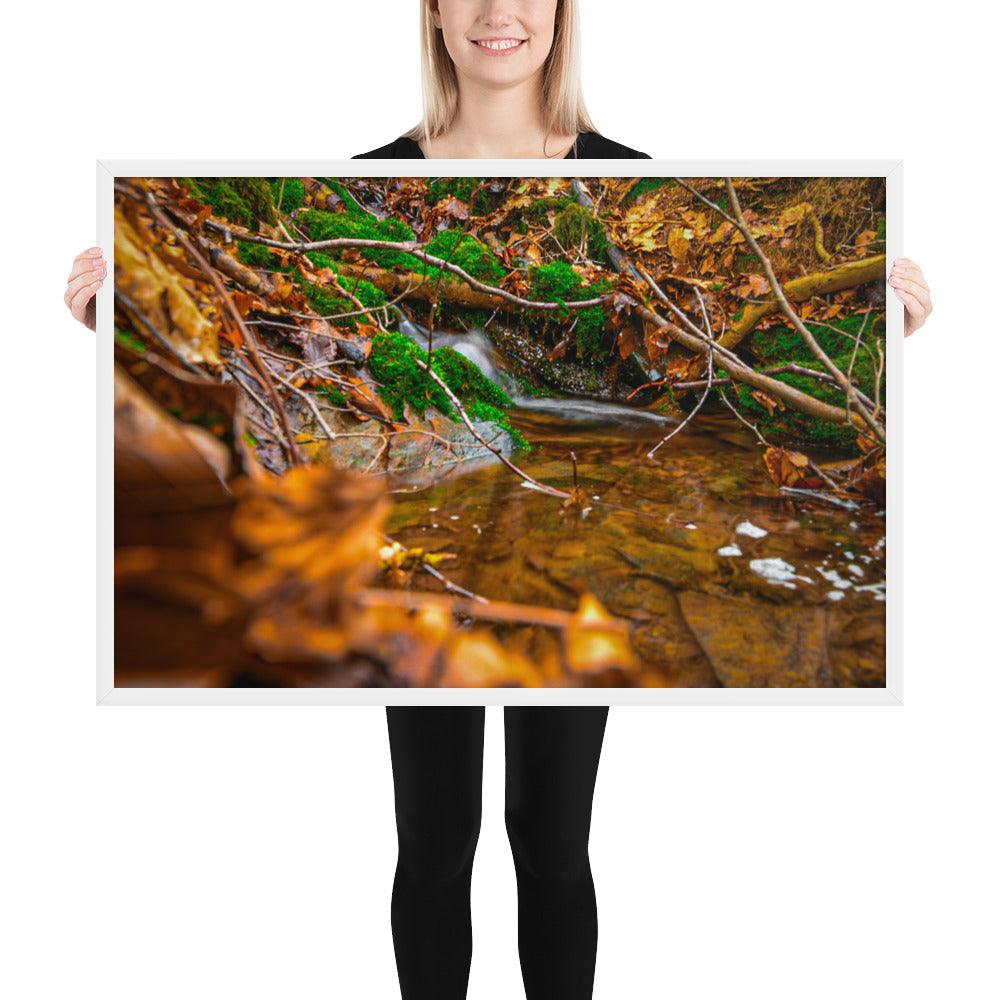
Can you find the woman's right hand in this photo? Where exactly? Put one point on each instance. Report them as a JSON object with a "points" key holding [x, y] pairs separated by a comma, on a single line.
{"points": [[85, 277]]}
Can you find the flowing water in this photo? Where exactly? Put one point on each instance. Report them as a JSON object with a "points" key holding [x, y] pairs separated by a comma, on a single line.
{"points": [[722, 578]]}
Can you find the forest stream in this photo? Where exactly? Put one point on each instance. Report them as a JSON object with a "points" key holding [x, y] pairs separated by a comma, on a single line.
{"points": [[640, 441], [724, 579]]}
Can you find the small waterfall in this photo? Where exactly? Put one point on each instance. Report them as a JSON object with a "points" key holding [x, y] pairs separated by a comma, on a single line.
{"points": [[476, 346], [472, 344]]}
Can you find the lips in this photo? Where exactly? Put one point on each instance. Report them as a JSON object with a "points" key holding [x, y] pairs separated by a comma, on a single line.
{"points": [[498, 46]]}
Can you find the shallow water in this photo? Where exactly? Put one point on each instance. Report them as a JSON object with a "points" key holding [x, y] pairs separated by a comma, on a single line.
{"points": [[723, 579]]}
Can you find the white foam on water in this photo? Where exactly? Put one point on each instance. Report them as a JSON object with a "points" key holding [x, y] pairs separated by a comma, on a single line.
{"points": [[747, 528], [832, 576], [777, 571], [729, 550]]}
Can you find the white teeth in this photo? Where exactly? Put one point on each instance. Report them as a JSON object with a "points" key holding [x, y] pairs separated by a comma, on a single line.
{"points": [[507, 43]]}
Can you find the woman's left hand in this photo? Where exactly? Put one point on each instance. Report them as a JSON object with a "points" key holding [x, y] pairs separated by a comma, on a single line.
{"points": [[911, 289]]}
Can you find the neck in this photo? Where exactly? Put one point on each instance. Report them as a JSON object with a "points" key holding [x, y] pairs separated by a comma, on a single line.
{"points": [[499, 123]]}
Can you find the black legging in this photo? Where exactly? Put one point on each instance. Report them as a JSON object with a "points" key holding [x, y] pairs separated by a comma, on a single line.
{"points": [[552, 754]]}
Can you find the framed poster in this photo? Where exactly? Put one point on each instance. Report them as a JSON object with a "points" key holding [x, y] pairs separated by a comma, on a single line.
{"points": [[607, 432]]}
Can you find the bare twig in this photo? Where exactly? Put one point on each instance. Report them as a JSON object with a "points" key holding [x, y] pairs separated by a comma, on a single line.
{"points": [[710, 357]]}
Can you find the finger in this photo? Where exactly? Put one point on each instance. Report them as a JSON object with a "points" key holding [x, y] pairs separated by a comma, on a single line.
{"points": [[910, 271], [82, 281], [78, 303], [89, 252], [913, 287], [87, 265], [913, 306]]}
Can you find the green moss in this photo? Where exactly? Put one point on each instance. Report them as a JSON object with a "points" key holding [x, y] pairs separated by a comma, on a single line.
{"points": [[326, 300], [571, 222], [322, 260], [468, 253], [644, 186], [558, 282], [255, 255], [471, 190], [538, 211], [369, 295], [782, 343], [128, 339], [392, 362], [589, 331], [333, 396], [466, 379], [363, 225], [554, 282], [801, 428], [289, 193], [245, 200], [478, 410]]}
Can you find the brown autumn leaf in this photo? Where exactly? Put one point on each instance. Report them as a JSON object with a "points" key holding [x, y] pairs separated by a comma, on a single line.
{"points": [[754, 286], [315, 526], [628, 340], [578, 499], [679, 242], [595, 641], [476, 659], [686, 368], [871, 480], [769, 402], [786, 467], [164, 298]]}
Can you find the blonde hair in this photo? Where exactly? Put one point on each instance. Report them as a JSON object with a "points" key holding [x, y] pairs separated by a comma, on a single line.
{"points": [[563, 110]]}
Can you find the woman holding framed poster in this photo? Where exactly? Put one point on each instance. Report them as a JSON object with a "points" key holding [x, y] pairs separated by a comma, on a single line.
{"points": [[501, 80]]}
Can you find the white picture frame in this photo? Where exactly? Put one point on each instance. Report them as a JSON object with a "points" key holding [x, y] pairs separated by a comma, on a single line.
{"points": [[109, 694]]}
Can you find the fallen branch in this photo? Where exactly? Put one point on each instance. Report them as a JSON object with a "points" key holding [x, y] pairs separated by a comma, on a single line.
{"points": [[849, 275], [842, 380], [708, 383], [499, 611], [415, 249]]}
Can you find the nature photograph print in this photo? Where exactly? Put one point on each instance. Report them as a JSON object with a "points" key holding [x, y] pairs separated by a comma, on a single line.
{"points": [[454, 432]]}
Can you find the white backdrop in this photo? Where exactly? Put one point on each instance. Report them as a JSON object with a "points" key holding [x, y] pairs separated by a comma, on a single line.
{"points": [[771, 853]]}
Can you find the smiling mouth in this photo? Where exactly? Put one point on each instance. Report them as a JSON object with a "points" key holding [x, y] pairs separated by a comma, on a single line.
{"points": [[498, 46]]}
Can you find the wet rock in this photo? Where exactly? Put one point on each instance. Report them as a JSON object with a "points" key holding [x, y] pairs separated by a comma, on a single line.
{"points": [[435, 443], [446, 444], [529, 359], [751, 644]]}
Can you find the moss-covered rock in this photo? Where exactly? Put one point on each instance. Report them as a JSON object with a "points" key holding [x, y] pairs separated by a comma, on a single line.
{"points": [[289, 193], [474, 191], [460, 248], [402, 382], [781, 344], [255, 255], [558, 282], [247, 201]]}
